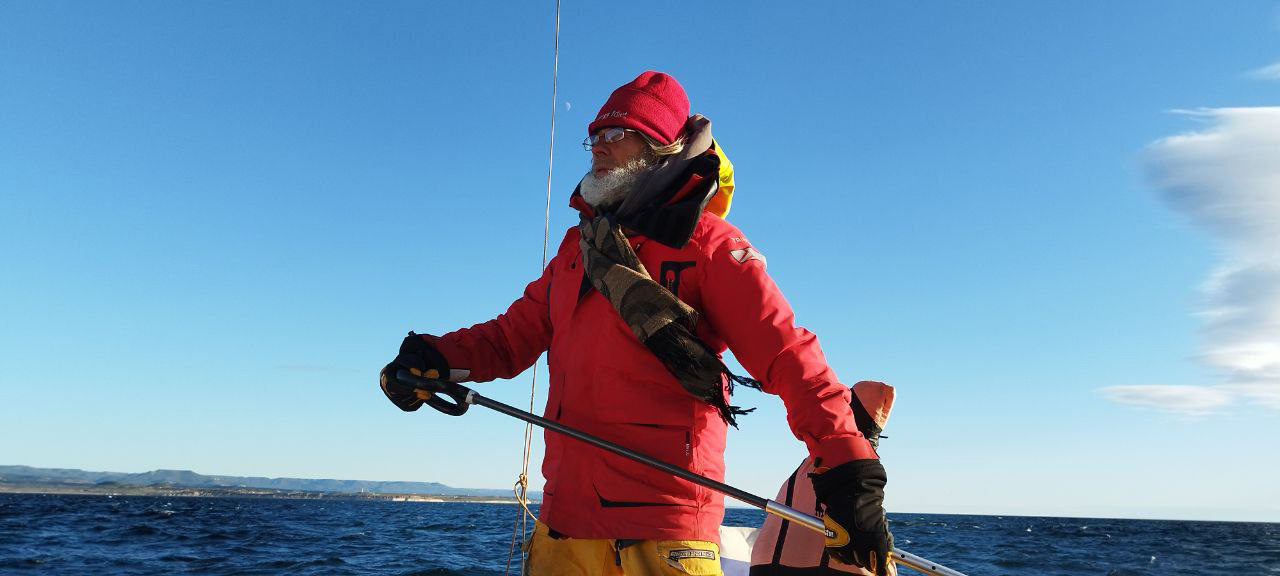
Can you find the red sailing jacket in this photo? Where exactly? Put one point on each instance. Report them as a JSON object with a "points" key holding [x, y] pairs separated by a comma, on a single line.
{"points": [[606, 383]]}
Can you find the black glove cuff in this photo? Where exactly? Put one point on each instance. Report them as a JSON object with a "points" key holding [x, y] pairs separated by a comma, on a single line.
{"points": [[868, 473]]}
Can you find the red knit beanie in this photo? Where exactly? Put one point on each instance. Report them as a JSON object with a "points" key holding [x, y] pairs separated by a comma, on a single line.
{"points": [[653, 104]]}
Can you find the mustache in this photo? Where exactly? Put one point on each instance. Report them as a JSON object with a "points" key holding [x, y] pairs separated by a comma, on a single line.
{"points": [[611, 187]]}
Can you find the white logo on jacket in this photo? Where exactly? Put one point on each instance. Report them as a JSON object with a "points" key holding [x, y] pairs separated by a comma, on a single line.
{"points": [[747, 254]]}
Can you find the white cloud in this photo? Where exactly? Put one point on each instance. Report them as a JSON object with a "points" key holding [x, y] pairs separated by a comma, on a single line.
{"points": [[1194, 400], [1226, 179], [568, 106], [1271, 72]]}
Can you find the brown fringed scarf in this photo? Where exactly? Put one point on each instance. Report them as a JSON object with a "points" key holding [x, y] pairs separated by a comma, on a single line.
{"points": [[658, 319]]}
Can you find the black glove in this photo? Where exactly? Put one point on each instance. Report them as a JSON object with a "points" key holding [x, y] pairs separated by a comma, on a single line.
{"points": [[421, 359], [853, 494]]}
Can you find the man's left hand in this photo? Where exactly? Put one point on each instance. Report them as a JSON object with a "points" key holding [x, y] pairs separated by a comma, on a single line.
{"points": [[853, 494]]}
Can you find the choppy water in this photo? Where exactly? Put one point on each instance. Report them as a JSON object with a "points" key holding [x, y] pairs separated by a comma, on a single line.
{"points": [[61, 534]]}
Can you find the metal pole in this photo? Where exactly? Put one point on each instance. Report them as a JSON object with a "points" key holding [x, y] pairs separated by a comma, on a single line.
{"points": [[769, 506], [464, 396]]}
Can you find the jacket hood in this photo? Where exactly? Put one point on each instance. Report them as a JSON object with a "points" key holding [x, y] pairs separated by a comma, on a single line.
{"points": [[667, 201]]}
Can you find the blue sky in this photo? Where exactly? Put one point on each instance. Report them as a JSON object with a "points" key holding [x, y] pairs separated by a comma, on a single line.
{"points": [[1048, 225]]}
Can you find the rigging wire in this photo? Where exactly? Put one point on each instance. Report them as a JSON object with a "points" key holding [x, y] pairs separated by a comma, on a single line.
{"points": [[520, 528]]}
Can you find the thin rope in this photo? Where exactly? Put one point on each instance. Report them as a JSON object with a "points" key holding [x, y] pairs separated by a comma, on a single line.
{"points": [[520, 528]]}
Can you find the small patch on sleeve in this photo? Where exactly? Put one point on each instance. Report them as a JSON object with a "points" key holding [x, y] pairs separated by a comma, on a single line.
{"points": [[744, 255]]}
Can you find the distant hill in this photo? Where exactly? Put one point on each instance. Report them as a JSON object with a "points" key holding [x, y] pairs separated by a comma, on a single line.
{"points": [[189, 479]]}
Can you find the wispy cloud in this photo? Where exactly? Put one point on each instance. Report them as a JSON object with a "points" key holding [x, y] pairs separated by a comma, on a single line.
{"points": [[1226, 179], [1195, 400], [1271, 72]]}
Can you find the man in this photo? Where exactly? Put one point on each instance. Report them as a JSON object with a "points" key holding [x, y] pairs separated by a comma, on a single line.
{"points": [[634, 311]]}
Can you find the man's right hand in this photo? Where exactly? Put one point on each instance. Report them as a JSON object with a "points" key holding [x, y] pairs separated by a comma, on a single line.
{"points": [[421, 359], [853, 495]]}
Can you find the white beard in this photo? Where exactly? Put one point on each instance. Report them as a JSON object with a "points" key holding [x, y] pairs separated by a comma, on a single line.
{"points": [[608, 190]]}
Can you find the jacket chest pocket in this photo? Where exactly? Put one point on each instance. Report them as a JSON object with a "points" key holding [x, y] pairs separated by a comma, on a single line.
{"points": [[564, 291]]}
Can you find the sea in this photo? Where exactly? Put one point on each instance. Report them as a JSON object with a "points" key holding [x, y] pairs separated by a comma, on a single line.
{"points": [[106, 535]]}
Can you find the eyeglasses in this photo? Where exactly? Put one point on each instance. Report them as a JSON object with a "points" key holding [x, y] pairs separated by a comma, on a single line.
{"points": [[608, 135]]}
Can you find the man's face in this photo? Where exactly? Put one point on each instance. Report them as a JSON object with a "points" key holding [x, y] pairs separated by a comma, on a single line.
{"points": [[609, 155]]}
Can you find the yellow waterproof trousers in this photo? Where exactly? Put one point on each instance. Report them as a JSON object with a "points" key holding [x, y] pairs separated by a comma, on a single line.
{"points": [[547, 555]]}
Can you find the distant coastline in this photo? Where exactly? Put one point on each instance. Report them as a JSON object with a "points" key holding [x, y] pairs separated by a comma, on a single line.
{"points": [[185, 483], [169, 491]]}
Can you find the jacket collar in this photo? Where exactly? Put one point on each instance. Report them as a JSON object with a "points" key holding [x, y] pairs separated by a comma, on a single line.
{"points": [[667, 202]]}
